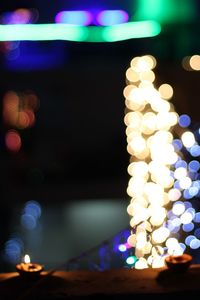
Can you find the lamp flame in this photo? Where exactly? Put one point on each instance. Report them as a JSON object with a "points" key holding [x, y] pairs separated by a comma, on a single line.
{"points": [[27, 259]]}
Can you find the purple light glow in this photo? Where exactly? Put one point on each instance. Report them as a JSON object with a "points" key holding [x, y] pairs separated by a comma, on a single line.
{"points": [[74, 17], [112, 17], [19, 16]]}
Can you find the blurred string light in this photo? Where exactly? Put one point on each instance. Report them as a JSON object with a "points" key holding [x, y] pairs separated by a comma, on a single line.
{"points": [[184, 120], [15, 246], [112, 17], [18, 16], [18, 113], [149, 119], [191, 63], [13, 250], [76, 17], [160, 176], [30, 215], [19, 109], [13, 141], [84, 17], [34, 32]]}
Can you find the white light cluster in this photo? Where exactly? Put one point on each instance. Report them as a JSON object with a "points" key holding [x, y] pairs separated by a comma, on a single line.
{"points": [[149, 119]]}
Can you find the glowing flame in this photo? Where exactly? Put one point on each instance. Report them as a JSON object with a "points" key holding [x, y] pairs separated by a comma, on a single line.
{"points": [[27, 259]]}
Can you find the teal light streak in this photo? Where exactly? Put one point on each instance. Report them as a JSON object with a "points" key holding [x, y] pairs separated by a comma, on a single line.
{"points": [[43, 32], [48, 32], [131, 30]]}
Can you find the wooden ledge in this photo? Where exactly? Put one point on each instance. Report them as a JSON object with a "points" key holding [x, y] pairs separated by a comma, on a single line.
{"points": [[120, 283]]}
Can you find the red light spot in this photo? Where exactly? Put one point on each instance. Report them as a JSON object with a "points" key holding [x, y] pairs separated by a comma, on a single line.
{"points": [[23, 120], [31, 117], [13, 141]]}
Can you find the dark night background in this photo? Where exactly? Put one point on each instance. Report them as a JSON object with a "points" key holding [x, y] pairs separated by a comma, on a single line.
{"points": [[77, 148]]}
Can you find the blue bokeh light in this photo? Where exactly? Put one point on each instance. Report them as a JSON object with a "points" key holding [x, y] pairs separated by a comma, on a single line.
{"points": [[194, 166], [187, 204], [192, 211], [33, 208], [178, 145], [188, 227], [28, 221], [195, 150], [186, 194], [181, 164], [197, 217], [177, 185], [184, 120], [13, 249], [188, 239], [197, 233], [195, 244], [183, 246], [193, 191]]}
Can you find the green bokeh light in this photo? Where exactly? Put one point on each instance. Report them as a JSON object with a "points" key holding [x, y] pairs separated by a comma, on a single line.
{"points": [[48, 32], [165, 11], [130, 30]]}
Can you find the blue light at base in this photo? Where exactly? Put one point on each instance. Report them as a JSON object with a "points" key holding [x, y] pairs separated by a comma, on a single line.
{"points": [[14, 248]]}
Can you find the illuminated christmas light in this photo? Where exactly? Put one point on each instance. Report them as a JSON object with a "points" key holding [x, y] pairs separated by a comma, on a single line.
{"points": [[76, 17], [122, 248], [149, 120], [34, 32], [131, 260], [68, 32], [188, 139], [84, 17], [112, 17], [195, 62], [184, 120], [13, 141]]}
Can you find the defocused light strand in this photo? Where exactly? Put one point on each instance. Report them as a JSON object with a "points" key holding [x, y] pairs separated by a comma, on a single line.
{"points": [[34, 32]]}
